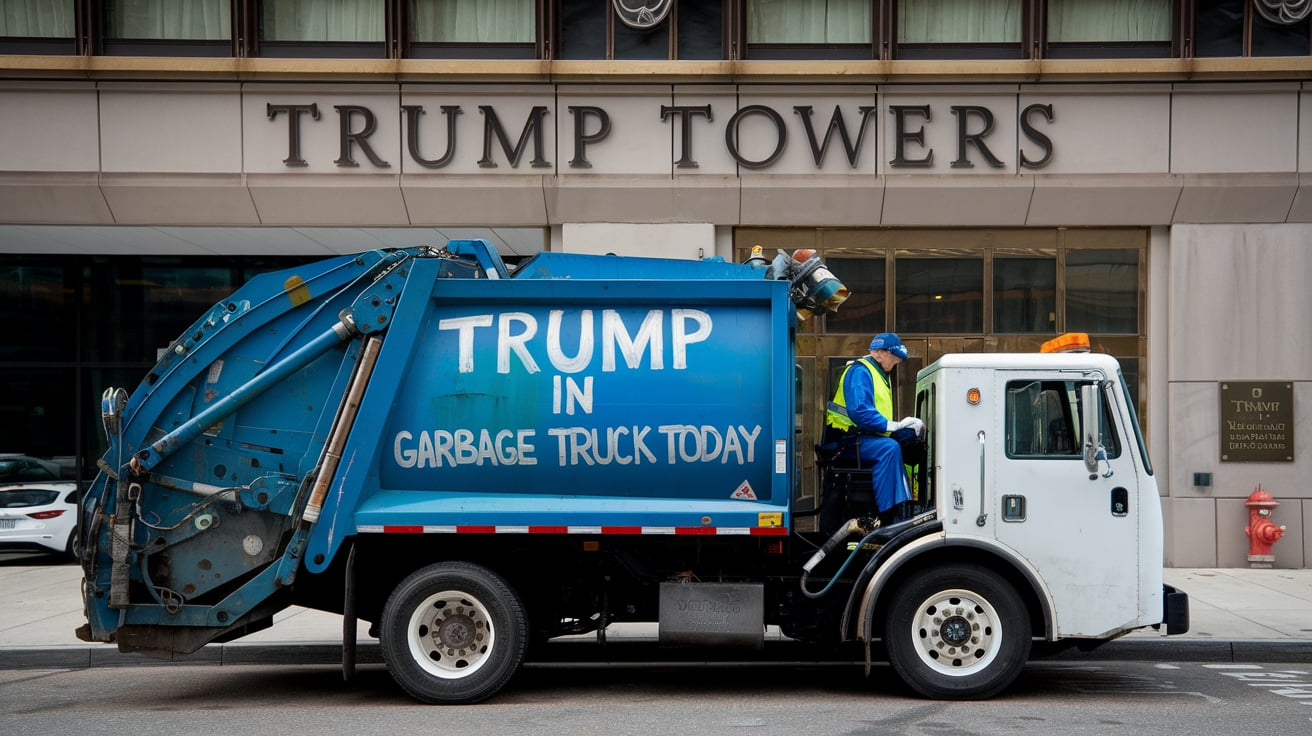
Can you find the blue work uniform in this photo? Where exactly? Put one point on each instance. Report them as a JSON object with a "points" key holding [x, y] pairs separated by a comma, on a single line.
{"points": [[875, 447]]}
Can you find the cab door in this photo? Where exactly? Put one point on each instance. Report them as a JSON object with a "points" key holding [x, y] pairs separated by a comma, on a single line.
{"points": [[1077, 527]]}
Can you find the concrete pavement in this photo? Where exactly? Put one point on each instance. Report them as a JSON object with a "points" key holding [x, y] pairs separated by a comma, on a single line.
{"points": [[1236, 615]]}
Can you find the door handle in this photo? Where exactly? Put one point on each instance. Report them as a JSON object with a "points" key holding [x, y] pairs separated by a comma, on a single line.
{"points": [[1120, 501]]}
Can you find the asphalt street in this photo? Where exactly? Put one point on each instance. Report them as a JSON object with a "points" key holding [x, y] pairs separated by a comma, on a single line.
{"points": [[1236, 615]]}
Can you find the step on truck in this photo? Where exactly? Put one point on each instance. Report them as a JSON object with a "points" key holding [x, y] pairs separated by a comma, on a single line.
{"points": [[476, 461]]}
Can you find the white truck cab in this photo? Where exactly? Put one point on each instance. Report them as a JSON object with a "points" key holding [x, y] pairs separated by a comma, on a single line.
{"points": [[1038, 521], [1062, 484]]}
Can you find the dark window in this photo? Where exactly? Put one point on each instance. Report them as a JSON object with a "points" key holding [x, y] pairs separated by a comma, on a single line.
{"points": [[963, 291], [39, 305], [1102, 291], [701, 30], [582, 30], [645, 44], [81, 324], [1235, 28], [1025, 295], [1220, 30], [865, 309], [138, 306], [1278, 39], [35, 417], [595, 29], [940, 295]]}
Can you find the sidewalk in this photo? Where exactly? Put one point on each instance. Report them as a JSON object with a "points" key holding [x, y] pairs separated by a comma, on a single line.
{"points": [[1236, 615]]}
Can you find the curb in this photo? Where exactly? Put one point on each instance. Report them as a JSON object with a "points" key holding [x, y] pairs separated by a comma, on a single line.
{"points": [[84, 657], [633, 652], [1198, 650]]}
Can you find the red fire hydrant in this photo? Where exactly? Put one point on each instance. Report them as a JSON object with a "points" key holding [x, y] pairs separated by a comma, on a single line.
{"points": [[1261, 531]]}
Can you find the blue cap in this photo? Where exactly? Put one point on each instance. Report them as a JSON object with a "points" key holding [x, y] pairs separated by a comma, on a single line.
{"points": [[890, 342]]}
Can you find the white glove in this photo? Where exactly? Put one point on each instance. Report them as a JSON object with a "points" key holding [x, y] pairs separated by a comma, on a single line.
{"points": [[912, 423]]}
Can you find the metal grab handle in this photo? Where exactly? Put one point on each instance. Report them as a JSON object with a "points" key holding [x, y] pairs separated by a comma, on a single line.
{"points": [[983, 516]]}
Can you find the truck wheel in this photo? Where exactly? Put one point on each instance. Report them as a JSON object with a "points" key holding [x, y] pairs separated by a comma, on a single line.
{"points": [[453, 633], [957, 632]]}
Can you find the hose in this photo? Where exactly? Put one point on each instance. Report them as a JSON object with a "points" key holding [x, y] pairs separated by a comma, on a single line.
{"points": [[851, 527]]}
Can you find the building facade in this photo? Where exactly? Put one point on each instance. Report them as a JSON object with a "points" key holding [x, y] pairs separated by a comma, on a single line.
{"points": [[983, 174]]}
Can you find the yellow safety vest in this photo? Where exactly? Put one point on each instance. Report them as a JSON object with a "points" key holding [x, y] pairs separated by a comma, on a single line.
{"points": [[836, 415]]}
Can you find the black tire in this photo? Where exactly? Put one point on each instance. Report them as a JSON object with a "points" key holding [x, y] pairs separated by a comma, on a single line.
{"points": [[453, 633], [957, 632]]}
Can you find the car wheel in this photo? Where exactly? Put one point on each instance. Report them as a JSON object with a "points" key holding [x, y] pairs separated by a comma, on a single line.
{"points": [[73, 547], [957, 632], [453, 633]]}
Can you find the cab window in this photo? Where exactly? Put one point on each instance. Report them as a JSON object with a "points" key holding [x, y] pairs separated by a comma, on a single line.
{"points": [[1043, 420]]}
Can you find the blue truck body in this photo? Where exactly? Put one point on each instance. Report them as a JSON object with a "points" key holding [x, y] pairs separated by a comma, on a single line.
{"points": [[580, 396], [579, 403]]}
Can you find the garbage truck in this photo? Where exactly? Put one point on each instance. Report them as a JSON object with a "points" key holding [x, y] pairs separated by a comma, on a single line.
{"points": [[476, 459]]}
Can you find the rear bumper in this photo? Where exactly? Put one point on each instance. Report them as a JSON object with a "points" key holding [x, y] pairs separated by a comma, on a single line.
{"points": [[42, 543], [1175, 610]]}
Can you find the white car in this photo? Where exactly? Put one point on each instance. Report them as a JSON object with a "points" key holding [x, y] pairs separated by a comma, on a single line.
{"points": [[39, 516]]}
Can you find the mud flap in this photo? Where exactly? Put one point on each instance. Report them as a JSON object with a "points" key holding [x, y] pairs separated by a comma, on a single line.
{"points": [[1175, 610]]}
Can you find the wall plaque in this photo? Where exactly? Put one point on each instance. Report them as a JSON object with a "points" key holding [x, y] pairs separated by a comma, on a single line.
{"points": [[1257, 421]]}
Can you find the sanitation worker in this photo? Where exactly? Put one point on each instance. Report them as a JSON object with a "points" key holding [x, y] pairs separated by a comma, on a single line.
{"points": [[859, 428]]}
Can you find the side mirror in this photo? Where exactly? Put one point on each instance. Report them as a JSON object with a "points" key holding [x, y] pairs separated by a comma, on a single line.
{"points": [[1091, 430]]}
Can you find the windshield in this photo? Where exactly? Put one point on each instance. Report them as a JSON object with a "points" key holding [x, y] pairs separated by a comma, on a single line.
{"points": [[18, 499], [18, 469], [1134, 418]]}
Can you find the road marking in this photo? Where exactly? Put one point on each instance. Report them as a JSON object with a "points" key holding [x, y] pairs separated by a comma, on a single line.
{"points": [[1292, 684]]}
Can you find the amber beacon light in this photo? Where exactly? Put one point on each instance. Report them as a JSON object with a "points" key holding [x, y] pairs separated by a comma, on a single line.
{"points": [[1071, 342]]}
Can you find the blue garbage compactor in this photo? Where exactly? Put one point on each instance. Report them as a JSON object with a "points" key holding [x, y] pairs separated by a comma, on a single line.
{"points": [[560, 441]]}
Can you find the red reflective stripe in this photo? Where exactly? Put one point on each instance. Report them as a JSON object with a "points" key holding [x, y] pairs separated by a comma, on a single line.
{"points": [[756, 531], [694, 530]]}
